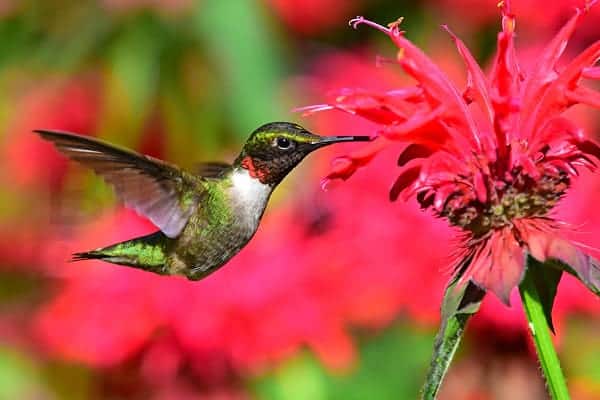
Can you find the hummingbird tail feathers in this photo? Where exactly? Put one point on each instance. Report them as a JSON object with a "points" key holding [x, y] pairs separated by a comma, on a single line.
{"points": [[146, 252]]}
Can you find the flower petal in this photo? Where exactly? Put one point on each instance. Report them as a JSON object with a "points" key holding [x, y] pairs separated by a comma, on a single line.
{"points": [[544, 70], [589, 147], [583, 95], [476, 80], [552, 101], [501, 270], [406, 178], [344, 167], [413, 151], [435, 83]]}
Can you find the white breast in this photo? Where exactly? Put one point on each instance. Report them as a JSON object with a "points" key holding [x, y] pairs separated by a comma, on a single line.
{"points": [[249, 197]]}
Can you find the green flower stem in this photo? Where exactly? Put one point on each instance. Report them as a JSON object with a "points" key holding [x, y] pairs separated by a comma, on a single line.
{"points": [[460, 303], [540, 332], [447, 342]]}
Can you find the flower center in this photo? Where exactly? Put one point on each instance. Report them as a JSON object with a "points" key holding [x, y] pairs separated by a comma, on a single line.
{"points": [[519, 196]]}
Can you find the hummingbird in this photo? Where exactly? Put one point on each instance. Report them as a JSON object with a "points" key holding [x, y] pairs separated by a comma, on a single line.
{"points": [[204, 218]]}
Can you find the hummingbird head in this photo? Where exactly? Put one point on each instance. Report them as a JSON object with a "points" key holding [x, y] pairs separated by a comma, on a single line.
{"points": [[274, 149]]}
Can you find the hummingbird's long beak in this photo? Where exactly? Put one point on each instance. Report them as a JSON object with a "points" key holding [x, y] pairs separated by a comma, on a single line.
{"points": [[327, 140]]}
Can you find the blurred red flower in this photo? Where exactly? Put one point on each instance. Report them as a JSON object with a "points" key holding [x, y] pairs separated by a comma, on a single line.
{"points": [[72, 106], [310, 17], [301, 281], [493, 159], [484, 12]]}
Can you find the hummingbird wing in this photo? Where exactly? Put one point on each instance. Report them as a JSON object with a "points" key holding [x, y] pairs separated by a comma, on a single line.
{"points": [[160, 191], [212, 169]]}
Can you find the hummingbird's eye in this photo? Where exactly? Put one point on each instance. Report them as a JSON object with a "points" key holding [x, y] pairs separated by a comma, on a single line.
{"points": [[283, 143]]}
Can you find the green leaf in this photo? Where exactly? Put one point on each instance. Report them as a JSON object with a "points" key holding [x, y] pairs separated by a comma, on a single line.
{"points": [[459, 304], [545, 279]]}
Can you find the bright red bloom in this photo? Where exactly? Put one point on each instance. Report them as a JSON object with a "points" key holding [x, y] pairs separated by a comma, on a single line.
{"points": [[493, 159], [418, 276]]}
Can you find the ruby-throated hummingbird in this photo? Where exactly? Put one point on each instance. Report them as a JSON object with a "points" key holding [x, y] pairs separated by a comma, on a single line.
{"points": [[205, 218]]}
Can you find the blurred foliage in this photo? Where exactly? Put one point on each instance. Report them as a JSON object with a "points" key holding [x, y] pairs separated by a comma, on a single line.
{"points": [[19, 376], [191, 68], [390, 365], [583, 360]]}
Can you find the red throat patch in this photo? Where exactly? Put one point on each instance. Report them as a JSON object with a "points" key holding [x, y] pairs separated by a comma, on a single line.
{"points": [[257, 173]]}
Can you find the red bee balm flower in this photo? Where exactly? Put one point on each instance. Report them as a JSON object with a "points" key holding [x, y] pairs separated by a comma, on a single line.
{"points": [[493, 159]]}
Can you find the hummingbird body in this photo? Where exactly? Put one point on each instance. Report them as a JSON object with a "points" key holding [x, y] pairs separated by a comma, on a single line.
{"points": [[224, 224], [204, 219]]}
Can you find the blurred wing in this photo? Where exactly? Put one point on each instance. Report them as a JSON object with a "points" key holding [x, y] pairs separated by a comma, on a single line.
{"points": [[153, 188], [213, 169]]}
